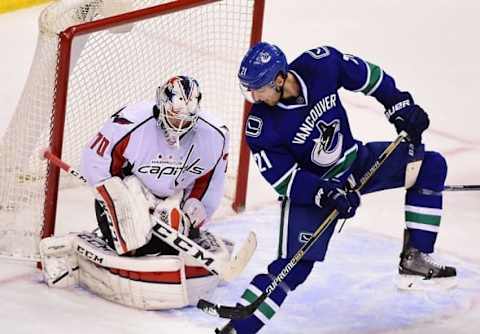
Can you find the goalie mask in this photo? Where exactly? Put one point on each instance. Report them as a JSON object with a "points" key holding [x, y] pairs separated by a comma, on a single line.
{"points": [[178, 106]]}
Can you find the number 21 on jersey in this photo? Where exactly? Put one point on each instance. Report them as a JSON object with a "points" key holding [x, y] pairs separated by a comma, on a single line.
{"points": [[262, 161]]}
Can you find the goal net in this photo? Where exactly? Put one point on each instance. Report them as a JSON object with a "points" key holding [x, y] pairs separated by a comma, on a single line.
{"points": [[95, 56]]}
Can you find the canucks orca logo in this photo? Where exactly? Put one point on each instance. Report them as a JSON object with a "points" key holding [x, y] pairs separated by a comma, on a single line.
{"points": [[328, 146]]}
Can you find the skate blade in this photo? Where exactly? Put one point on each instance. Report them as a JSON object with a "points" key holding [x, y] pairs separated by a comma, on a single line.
{"points": [[417, 283]]}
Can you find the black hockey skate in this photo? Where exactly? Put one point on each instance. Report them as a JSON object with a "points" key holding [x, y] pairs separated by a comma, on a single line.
{"points": [[419, 271]]}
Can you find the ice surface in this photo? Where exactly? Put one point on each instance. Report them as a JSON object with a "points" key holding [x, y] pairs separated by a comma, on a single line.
{"points": [[431, 48]]}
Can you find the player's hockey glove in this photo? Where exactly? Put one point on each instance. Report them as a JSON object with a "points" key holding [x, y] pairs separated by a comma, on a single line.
{"points": [[332, 194], [408, 117]]}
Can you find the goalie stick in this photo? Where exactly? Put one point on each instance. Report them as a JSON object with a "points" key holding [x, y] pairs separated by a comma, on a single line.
{"points": [[241, 312], [227, 270]]}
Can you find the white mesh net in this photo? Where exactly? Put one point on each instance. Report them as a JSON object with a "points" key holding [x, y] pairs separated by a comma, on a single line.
{"points": [[108, 69]]}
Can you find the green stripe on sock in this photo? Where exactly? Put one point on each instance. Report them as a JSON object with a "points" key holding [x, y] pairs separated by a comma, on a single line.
{"points": [[375, 75], [266, 310], [422, 218], [249, 296]]}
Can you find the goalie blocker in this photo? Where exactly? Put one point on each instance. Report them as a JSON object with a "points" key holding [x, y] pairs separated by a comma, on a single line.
{"points": [[147, 282]]}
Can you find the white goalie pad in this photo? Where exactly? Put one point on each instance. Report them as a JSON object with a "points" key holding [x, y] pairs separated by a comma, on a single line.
{"points": [[127, 202], [59, 262], [149, 282]]}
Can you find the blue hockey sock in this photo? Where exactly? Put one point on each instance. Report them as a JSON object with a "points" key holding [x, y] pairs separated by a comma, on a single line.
{"points": [[423, 202], [265, 311], [272, 303], [423, 211]]}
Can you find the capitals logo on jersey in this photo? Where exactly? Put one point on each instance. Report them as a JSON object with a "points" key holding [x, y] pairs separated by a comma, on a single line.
{"points": [[328, 146], [169, 166]]}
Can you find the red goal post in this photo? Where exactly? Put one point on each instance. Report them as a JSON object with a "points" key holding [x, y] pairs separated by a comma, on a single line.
{"points": [[90, 60]]}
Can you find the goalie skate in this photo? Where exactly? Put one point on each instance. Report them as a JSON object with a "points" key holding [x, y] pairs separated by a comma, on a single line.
{"points": [[418, 271]]}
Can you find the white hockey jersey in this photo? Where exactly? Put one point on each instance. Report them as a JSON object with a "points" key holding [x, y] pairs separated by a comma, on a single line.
{"points": [[131, 140]]}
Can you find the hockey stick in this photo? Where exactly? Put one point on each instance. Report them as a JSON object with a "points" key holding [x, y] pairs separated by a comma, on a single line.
{"points": [[227, 270], [462, 187], [241, 312]]}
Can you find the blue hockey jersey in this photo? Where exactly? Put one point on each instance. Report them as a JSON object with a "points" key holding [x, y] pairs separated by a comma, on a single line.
{"points": [[300, 141]]}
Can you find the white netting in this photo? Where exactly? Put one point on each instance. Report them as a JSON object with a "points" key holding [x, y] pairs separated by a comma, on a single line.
{"points": [[109, 69]]}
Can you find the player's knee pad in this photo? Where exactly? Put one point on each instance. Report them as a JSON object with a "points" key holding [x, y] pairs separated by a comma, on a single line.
{"points": [[297, 275], [433, 172]]}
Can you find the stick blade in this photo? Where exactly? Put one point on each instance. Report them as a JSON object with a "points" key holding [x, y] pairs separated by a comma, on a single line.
{"points": [[227, 312], [240, 260]]}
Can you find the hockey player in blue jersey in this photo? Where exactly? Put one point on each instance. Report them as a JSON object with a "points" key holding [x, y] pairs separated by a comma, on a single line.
{"points": [[299, 134]]}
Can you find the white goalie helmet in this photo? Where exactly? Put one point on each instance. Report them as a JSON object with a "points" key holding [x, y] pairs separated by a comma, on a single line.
{"points": [[178, 103]]}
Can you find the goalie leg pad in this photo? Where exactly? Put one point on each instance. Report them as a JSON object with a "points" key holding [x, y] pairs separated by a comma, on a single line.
{"points": [[59, 261], [128, 212], [149, 282], [142, 290]]}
